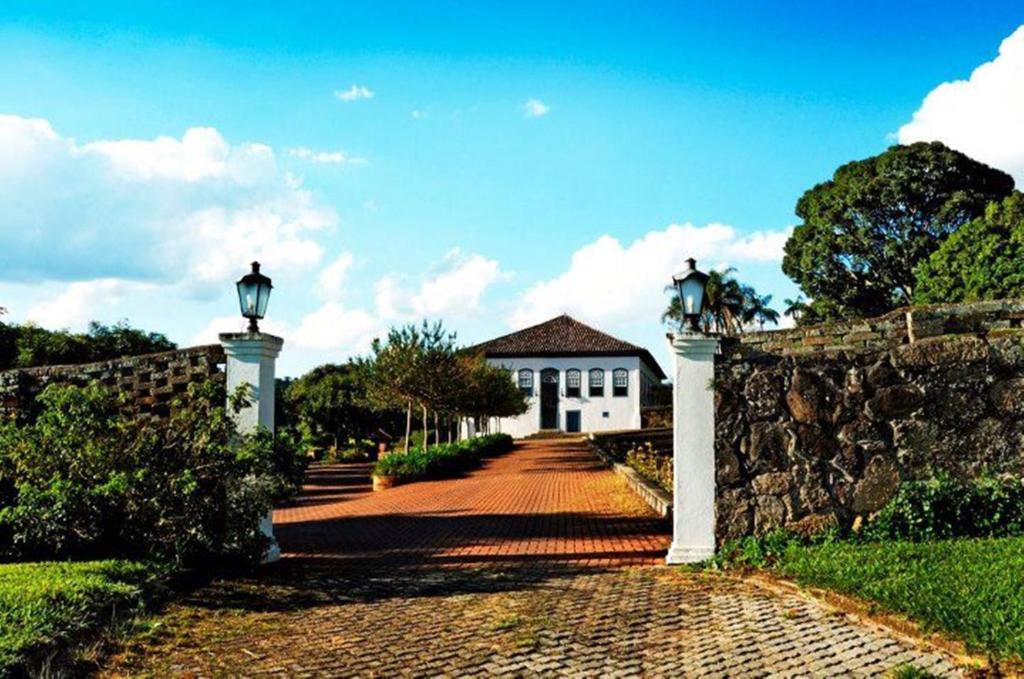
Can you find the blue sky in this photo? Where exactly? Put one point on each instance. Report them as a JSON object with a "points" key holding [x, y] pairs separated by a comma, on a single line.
{"points": [[447, 193]]}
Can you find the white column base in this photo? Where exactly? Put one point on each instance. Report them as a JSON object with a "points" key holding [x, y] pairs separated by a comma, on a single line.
{"points": [[273, 552], [678, 554]]}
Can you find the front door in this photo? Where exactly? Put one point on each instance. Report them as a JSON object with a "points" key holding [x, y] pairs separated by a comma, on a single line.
{"points": [[549, 399]]}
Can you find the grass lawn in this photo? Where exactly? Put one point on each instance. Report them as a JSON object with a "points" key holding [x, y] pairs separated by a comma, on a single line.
{"points": [[970, 588], [45, 607]]}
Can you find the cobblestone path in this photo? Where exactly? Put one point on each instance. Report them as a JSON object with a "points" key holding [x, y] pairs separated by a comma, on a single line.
{"points": [[539, 564]]}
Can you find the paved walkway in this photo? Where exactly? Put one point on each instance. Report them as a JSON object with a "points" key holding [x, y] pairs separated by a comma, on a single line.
{"points": [[539, 564], [549, 502]]}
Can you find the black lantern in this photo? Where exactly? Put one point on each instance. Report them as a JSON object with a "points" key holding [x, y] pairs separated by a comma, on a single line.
{"points": [[690, 285], [253, 294]]}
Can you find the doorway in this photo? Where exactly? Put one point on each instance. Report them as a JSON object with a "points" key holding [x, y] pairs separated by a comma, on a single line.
{"points": [[572, 421], [549, 398]]}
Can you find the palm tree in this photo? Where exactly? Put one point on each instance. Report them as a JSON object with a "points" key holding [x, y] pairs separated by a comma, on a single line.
{"points": [[757, 308], [795, 308]]}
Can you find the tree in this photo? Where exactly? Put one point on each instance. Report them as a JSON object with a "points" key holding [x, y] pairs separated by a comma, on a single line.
{"points": [[27, 345], [757, 308], [329, 406], [866, 230], [797, 309], [486, 390], [984, 259], [393, 373]]}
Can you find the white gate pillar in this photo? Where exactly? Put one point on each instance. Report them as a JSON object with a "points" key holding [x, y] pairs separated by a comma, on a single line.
{"points": [[251, 357], [693, 453]]}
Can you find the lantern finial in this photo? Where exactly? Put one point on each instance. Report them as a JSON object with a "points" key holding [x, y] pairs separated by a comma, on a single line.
{"points": [[253, 294], [690, 285]]}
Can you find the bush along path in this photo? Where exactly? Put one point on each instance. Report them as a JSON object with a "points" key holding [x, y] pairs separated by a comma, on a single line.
{"points": [[438, 462], [99, 494]]}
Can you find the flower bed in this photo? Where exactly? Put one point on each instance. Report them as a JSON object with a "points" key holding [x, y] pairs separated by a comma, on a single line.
{"points": [[441, 461]]}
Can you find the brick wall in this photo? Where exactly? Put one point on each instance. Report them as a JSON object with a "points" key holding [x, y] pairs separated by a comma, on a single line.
{"points": [[816, 426], [150, 381]]}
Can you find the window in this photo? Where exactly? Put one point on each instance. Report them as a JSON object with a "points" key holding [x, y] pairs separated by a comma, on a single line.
{"points": [[573, 378], [620, 382], [526, 381], [596, 382]]}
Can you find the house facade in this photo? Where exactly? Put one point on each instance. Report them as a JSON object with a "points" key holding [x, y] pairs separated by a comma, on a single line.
{"points": [[575, 378]]}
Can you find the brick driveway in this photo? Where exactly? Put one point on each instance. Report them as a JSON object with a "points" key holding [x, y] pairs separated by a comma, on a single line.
{"points": [[539, 564]]}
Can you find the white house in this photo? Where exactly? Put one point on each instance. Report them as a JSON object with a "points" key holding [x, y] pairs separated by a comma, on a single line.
{"points": [[577, 379]]}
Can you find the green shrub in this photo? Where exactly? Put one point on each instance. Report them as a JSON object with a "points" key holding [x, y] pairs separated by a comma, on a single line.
{"points": [[84, 480], [355, 451], [46, 607], [651, 465], [443, 460], [944, 507]]}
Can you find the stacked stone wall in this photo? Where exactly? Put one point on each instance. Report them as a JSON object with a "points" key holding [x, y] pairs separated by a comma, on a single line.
{"points": [[816, 426], [149, 382]]}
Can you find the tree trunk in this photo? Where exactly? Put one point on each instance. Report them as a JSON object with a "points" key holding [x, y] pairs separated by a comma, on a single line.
{"points": [[408, 424], [437, 430], [426, 434]]}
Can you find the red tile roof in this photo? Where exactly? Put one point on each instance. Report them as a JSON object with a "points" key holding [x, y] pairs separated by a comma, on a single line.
{"points": [[564, 336]]}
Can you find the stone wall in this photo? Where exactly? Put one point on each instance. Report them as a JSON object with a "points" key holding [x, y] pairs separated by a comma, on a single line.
{"points": [[150, 382], [816, 426]]}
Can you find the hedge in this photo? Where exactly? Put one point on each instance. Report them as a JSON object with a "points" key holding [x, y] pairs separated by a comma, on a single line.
{"points": [[443, 460]]}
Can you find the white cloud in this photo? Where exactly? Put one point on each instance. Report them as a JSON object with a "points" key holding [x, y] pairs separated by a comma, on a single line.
{"points": [[331, 282], [457, 286], [607, 282], [201, 153], [80, 301], [419, 114], [355, 93], [193, 210], [453, 288], [334, 327], [982, 116], [535, 108], [324, 157]]}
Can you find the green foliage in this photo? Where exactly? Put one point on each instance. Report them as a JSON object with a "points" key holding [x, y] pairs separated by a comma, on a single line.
{"points": [[652, 465], [23, 346], [909, 672], [359, 451], [330, 408], [421, 366], [728, 307], [442, 460], [761, 551], [944, 507], [984, 259], [84, 480], [970, 587], [866, 230], [904, 559], [45, 607]]}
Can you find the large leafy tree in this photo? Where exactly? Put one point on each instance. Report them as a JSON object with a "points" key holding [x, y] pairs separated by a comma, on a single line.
{"points": [[984, 259], [865, 231]]}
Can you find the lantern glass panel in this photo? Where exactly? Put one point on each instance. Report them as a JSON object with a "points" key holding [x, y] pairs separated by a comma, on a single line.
{"points": [[691, 294]]}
